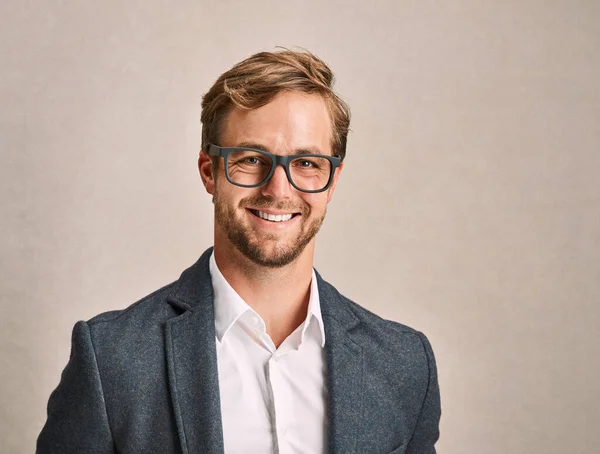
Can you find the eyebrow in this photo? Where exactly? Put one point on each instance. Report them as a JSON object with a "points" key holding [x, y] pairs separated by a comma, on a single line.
{"points": [[298, 151]]}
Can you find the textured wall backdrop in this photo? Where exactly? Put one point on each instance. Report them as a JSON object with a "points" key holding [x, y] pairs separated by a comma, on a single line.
{"points": [[470, 195]]}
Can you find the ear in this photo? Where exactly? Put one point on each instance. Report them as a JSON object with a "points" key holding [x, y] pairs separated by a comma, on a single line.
{"points": [[206, 172], [334, 180]]}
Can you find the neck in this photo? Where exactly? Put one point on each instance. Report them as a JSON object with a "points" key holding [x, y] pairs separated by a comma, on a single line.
{"points": [[279, 295]]}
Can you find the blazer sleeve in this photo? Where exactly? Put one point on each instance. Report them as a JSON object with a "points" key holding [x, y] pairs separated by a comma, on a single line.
{"points": [[77, 417], [427, 432]]}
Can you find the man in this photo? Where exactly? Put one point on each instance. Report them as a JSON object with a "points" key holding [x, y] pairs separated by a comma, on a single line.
{"points": [[251, 351]]}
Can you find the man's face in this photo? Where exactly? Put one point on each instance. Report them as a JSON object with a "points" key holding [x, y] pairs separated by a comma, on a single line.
{"points": [[293, 121]]}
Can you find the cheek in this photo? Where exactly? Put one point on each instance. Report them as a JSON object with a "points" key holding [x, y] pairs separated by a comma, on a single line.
{"points": [[240, 197], [226, 190], [316, 203], [226, 197]]}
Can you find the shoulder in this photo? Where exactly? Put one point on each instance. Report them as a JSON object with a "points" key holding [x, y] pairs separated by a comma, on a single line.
{"points": [[397, 360], [376, 331], [389, 331], [150, 305], [376, 321], [143, 316], [192, 286]]}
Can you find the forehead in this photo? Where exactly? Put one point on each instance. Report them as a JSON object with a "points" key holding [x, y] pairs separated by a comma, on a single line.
{"points": [[291, 121]]}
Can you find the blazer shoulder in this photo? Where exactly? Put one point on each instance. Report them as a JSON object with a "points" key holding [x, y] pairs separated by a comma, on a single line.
{"points": [[192, 286], [374, 318], [381, 331], [145, 309], [370, 318]]}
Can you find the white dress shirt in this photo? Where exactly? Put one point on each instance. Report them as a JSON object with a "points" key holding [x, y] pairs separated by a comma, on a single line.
{"points": [[273, 400]]}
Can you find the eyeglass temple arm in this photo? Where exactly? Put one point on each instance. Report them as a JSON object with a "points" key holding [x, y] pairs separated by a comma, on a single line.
{"points": [[212, 150]]}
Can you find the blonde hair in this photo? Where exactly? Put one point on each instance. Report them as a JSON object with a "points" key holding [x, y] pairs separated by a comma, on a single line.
{"points": [[255, 81]]}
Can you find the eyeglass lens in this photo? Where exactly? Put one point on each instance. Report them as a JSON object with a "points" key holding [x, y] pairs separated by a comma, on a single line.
{"points": [[247, 167]]}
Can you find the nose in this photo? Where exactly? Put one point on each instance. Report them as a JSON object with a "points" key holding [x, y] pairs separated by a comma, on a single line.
{"points": [[278, 186]]}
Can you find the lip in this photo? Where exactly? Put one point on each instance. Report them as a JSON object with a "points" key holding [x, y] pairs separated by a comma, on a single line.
{"points": [[272, 211], [272, 225]]}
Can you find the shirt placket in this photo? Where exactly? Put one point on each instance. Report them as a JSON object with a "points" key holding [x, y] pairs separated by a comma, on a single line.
{"points": [[281, 404]]}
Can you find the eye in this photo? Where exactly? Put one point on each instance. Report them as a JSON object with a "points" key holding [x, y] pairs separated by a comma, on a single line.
{"points": [[306, 164], [251, 160]]}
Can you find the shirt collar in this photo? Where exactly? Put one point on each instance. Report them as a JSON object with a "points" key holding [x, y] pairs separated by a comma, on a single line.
{"points": [[229, 306], [314, 309]]}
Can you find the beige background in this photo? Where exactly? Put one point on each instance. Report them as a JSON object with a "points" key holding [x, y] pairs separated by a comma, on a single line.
{"points": [[469, 206]]}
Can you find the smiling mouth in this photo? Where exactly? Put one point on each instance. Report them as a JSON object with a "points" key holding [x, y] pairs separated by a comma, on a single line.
{"points": [[273, 217]]}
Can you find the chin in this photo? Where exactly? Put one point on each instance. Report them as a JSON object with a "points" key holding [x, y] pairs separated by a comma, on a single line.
{"points": [[271, 257]]}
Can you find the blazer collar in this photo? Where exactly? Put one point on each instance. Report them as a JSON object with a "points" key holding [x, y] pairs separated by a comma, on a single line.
{"points": [[193, 290], [193, 372], [344, 361], [192, 362]]}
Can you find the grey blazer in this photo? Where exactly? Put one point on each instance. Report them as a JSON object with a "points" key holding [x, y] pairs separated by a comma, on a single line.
{"points": [[144, 379]]}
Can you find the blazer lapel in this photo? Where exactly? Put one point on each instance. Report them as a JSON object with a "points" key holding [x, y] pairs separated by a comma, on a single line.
{"points": [[344, 359], [192, 362], [193, 372]]}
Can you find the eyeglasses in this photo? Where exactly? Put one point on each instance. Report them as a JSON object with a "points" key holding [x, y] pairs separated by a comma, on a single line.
{"points": [[251, 168]]}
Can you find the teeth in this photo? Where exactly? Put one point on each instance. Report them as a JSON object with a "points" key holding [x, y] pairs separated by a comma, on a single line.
{"points": [[274, 217]]}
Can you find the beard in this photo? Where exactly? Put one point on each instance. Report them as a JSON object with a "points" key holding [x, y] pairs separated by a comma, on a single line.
{"points": [[254, 245]]}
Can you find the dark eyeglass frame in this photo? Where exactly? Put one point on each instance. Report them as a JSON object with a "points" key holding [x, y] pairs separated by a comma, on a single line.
{"points": [[277, 160]]}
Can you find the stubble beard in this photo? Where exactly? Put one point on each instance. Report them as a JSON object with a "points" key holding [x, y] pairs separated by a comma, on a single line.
{"points": [[248, 243]]}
